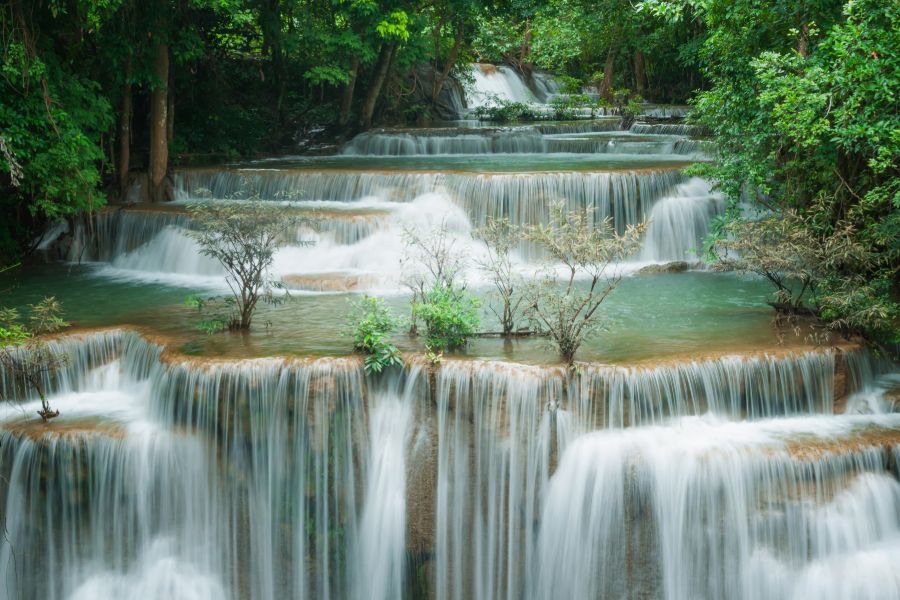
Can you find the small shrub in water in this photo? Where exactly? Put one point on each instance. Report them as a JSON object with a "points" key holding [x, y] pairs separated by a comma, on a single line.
{"points": [[373, 324], [450, 315]]}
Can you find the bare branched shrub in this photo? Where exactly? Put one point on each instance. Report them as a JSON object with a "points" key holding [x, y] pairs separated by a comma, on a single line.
{"points": [[243, 237], [28, 357], [429, 261], [501, 237], [564, 305], [781, 250], [815, 271]]}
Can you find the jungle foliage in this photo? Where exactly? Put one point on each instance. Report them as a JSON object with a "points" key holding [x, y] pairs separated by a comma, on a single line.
{"points": [[95, 92], [803, 104]]}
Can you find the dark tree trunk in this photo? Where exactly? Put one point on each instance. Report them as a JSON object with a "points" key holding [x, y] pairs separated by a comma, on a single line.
{"points": [[451, 60], [385, 58], [125, 114], [347, 99], [525, 51], [606, 86], [270, 23], [803, 40], [640, 73], [159, 124], [170, 109]]}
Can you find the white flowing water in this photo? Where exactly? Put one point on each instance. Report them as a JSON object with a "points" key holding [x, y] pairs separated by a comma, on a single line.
{"points": [[268, 479], [679, 222], [516, 141], [382, 530], [362, 234], [706, 509], [497, 81]]}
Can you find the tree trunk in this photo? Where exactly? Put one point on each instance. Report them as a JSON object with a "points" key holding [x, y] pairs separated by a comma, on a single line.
{"points": [[347, 100], [385, 58], [270, 24], [522, 60], [170, 110], [803, 40], [640, 73], [159, 121], [606, 85], [451, 60], [125, 114]]}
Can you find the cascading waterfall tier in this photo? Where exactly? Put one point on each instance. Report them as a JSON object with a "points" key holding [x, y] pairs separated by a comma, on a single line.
{"points": [[274, 478], [515, 141], [111, 234], [357, 242], [522, 197], [705, 509], [679, 222], [497, 81], [666, 129]]}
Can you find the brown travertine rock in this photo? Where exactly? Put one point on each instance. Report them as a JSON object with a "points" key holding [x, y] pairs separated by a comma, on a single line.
{"points": [[421, 484], [840, 382], [328, 282]]}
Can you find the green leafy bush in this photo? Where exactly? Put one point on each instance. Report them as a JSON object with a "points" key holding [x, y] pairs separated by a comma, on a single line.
{"points": [[373, 324], [565, 108], [12, 332], [806, 124], [504, 111], [450, 315]]}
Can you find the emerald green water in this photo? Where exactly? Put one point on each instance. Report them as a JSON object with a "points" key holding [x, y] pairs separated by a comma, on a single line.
{"points": [[648, 317]]}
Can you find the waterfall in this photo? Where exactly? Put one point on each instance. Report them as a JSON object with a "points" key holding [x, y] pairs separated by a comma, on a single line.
{"points": [[116, 233], [665, 111], [493, 458], [522, 197], [382, 530], [704, 509], [666, 129], [112, 233], [498, 81], [492, 429], [358, 242], [545, 84], [92, 516], [514, 141], [593, 126], [273, 478], [679, 222]]}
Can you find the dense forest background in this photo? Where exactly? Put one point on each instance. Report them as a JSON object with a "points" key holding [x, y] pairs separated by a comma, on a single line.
{"points": [[95, 88], [801, 96]]}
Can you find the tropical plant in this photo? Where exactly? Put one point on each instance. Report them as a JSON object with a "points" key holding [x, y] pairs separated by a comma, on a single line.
{"points": [[450, 315], [802, 103], [500, 110], [430, 259], [785, 250], [372, 325]]}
